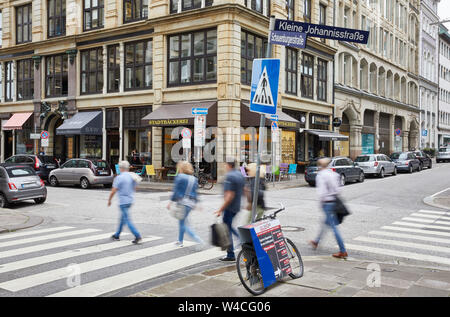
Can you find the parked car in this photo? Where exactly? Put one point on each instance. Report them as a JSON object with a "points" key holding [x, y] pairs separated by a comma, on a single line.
{"points": [[376, 164], [344, 166], [443, 154], [18, 183], [42, 164], [406, 161], [83, 172], [424, 158]]}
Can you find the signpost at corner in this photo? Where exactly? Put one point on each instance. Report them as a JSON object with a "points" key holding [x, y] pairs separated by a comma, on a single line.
{"points": [[199, 134]]}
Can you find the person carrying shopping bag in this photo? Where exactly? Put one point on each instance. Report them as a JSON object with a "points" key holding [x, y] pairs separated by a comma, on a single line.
{"points": [[184, 199], [327, 183]]}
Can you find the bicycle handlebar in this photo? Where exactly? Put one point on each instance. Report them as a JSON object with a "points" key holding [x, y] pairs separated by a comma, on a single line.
{"points": [[274, 215]]}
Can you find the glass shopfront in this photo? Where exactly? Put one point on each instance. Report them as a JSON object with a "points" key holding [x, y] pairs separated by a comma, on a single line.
{"points": [[24, 145], [138, 139], [316, 147], [299, 140], [91, 146]]}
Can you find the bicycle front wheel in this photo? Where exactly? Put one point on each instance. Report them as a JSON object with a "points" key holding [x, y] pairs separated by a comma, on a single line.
{"points": [[295, 260], [249, 273]]}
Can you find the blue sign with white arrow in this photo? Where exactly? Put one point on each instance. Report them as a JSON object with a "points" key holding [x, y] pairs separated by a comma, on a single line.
{"points": [[199, 111], [264, 89]]}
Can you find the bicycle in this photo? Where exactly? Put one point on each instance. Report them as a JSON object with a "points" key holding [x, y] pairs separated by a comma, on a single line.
{"points": [[248, 267], [205, 180]]}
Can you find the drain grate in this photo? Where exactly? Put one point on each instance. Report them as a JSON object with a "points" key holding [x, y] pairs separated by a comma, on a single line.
{"points": [[292, 228]]}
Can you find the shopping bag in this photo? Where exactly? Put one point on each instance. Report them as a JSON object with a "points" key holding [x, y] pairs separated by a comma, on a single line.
{"points": [[177, 211], [340, 210], [220, 236]]}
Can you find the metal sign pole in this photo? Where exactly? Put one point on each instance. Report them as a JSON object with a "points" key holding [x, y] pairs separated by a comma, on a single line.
{"points": [[261, 132]]}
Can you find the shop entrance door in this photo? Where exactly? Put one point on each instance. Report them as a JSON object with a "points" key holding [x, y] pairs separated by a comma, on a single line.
{"points": [[113, 148], [8, 143]]}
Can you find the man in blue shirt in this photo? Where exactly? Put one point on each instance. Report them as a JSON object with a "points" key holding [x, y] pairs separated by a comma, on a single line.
{"points": [[233, 189], [125, 185]]}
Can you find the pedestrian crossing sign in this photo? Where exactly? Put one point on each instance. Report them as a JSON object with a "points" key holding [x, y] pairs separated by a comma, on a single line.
{"points": [[264, 88]]}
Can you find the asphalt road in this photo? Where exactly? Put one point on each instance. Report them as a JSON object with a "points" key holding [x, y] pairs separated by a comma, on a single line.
{"points": [[38, 264]]}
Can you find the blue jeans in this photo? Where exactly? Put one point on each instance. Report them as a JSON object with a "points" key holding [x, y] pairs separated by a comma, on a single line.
{"points": [[331, 221], [228, 217], [125, 220], [184, 227]]}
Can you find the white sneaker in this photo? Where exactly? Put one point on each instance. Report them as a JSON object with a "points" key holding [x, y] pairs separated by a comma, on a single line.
{"points": [[179, 244]]}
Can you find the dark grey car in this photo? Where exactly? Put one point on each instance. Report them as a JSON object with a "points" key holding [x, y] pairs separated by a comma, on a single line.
{"points": [[344, 166], [18, 183], [406, 161]]}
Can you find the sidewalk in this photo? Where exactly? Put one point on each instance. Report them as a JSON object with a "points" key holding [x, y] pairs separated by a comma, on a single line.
{"points": [[439, 200], [218, 188], [324, 276], [12, 221]]}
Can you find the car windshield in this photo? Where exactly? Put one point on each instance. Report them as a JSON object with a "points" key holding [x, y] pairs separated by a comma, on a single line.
{"points": [[444, 149], [362, 159], [100, 164], [399, 156], [46, 159], [20, 172]]}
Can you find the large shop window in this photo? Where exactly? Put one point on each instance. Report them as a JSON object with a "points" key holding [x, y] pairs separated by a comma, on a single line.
{"points": [[56, 76], [322, 79], [23, 24], [56, 13], [291, 70], [307, 82], [90, 146], [169, 143], [25, 79], [138, 65], [9, 81], [252, 46], [93, 16], [92, 71], [135, 10], [113, 68], [193, 58]]}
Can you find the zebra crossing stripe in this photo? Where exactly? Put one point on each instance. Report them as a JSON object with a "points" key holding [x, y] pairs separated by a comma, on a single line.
{"points": [[47, 237], [53, 245], [119, 281], [85, 267], [426, 220], [31, 232], [430, 216], [398, 254], [430, 232], [409, 236], [418, 225], [404, 244], [434, 212], [17, 265]]}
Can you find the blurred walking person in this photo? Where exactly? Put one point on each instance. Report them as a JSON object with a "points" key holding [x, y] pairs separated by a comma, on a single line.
{"points": [[327, 183], [125, 185], [233, 190], [185, 194]]}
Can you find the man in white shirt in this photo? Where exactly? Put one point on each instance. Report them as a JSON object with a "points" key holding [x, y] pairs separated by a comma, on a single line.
{"points": [[327, 183]]}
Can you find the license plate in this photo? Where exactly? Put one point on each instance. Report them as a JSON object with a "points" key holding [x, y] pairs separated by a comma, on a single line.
{"points": [[27, 185], [103, 173], [50, 166]]}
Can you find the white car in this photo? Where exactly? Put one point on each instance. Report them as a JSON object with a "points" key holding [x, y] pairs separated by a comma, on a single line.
{"points": [[376, 164], [443, 154]]}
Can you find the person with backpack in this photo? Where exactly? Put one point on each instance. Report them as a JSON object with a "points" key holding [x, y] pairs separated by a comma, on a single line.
{"points": [[327, 183], [185, 196]]}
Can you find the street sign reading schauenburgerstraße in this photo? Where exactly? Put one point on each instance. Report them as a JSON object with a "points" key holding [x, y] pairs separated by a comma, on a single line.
{"points": [[323, 31]]}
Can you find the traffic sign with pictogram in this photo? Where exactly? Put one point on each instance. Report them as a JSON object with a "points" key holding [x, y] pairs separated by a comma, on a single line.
{"points": [[264, 88], [44, 135]]}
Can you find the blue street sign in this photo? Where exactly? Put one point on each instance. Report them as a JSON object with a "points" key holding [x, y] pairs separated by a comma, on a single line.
{"points": [[264, 89], [274, 117], [323, 31], [199, 111], [424, 132], [292, 39]]}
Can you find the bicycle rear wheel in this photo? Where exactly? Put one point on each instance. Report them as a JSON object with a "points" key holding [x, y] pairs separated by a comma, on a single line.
{"points": [[207, 182], [295, 259], [249, 274]]}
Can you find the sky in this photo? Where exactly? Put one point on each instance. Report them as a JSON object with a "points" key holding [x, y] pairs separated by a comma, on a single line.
{"points": [[444, 11]]}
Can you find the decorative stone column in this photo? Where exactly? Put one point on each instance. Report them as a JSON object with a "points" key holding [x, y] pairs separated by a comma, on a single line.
{"points": [[72, 82], [37, 96], [392, 133], [376, 122], [158, 84], [405, 136], [356, 143]]}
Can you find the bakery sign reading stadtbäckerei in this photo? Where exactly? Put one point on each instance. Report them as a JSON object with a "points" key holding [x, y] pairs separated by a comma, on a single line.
{"points": [[168, 122]]}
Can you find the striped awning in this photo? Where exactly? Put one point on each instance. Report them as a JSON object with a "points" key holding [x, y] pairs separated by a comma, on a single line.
{"points": [[16, 121]]}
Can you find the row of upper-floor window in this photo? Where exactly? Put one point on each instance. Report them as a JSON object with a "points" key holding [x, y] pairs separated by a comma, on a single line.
{"points": [[444, 95], [444, 72], [444, 49], [444, 117]]}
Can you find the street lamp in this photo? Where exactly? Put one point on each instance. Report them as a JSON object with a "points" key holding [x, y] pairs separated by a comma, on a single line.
{"points": [[439, 22]]}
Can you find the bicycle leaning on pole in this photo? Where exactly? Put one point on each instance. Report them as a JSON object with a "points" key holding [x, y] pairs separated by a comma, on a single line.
{"points": [[258, 269]]}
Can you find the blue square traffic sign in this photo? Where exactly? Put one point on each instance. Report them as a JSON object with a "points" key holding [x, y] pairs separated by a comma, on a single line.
{"points": [[264, 89]]}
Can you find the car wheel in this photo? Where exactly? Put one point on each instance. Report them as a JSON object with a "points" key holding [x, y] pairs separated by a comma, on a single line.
{"points": [[53, 181], [381, 175], [3, 201], [343, 180], [420, 167], [361, 177], [40, 200], [84, 183], [395, 171], [410, 170], [430, 166]]}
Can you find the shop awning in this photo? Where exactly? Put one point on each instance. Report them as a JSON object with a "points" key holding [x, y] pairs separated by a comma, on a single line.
{"points": [[251, 119], [87, 123], [180, 114], [16, 121], [328, 135]]}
